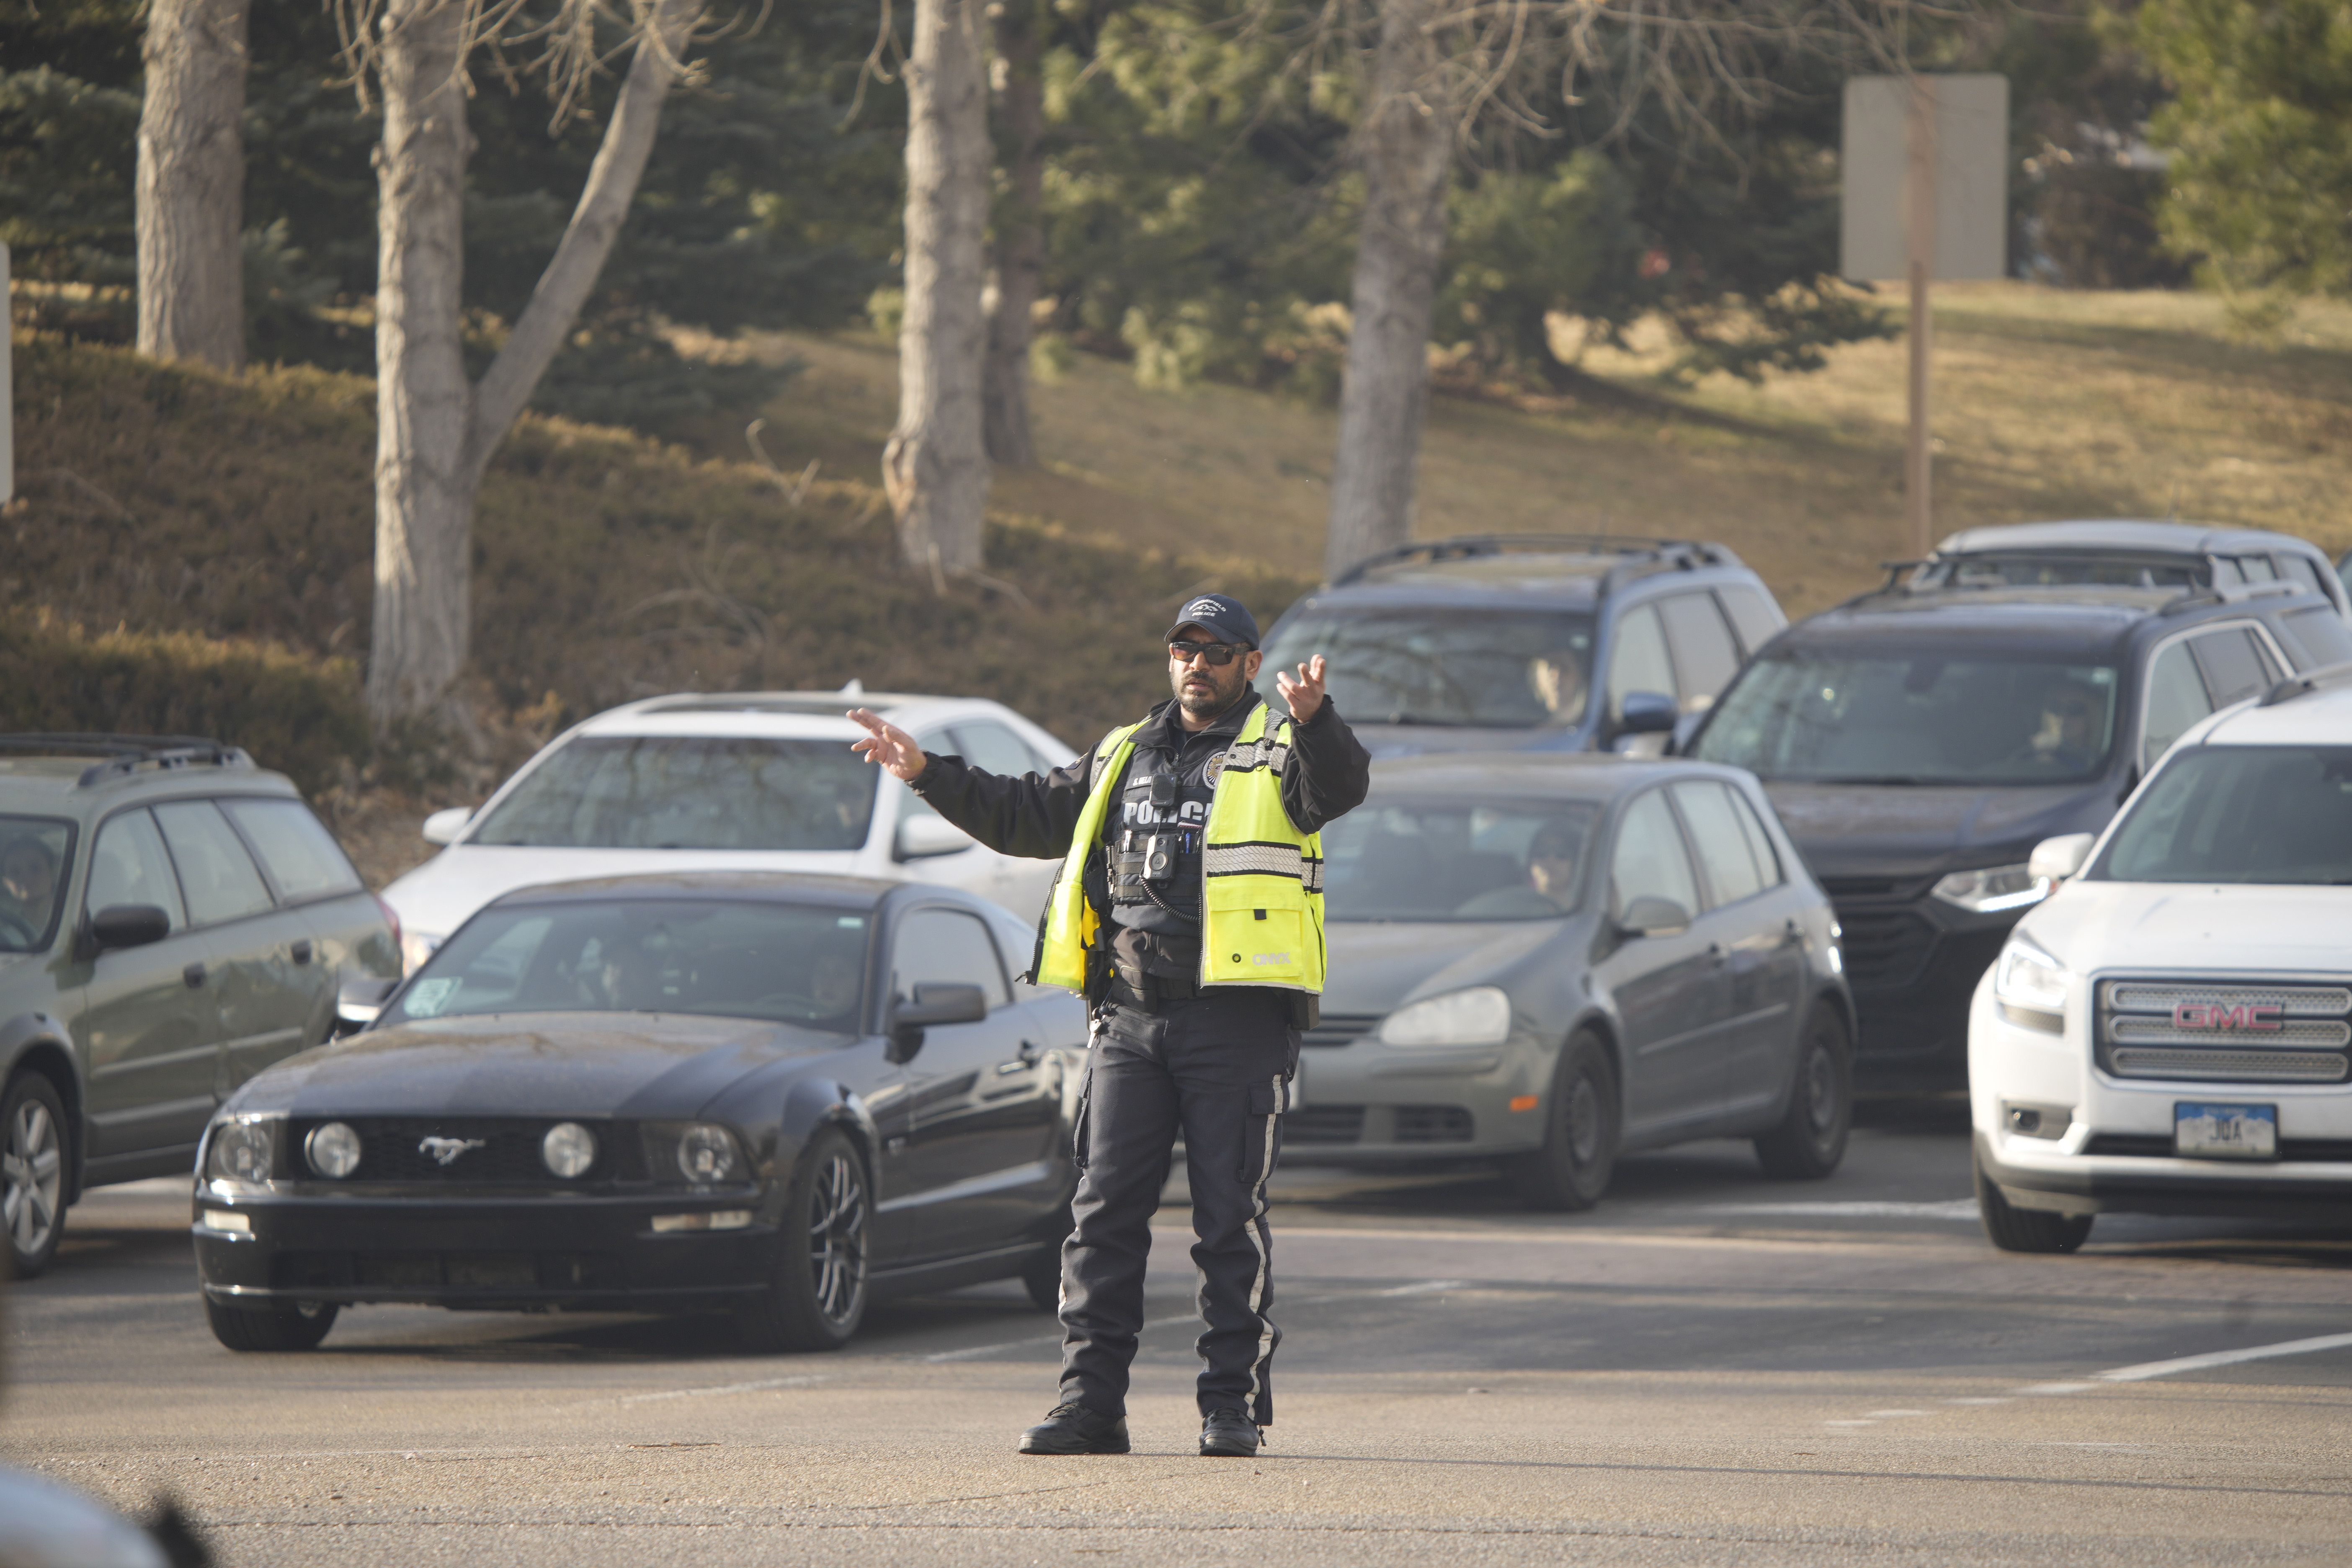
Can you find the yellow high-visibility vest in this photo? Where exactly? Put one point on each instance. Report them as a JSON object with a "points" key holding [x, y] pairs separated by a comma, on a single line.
{"points": [[1262, 879]]}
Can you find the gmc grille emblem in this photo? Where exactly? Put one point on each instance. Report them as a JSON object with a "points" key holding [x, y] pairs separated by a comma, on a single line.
{"points": [[2255, 1017]]}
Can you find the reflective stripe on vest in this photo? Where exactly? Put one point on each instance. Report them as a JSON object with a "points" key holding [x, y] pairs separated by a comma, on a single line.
{"points": [[1262, 879]]}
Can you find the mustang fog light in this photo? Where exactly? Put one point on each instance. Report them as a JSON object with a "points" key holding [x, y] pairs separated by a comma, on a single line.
{"points": [[1478, 1017], [332, 1150], [707, 1153], [717, 1219], [242, 1150], [1993, 889], [568, 1149], [224, 1220]]}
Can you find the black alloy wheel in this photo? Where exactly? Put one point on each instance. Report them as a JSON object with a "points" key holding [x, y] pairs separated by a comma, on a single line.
{"points": [[32, 1172], [292, 1326], [1580, 1127], [1810, 1139], [2013, 1229], [817, 1298]]}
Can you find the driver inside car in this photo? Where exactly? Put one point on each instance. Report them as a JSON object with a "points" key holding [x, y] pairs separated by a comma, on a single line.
{"points": [[2068, 735], [28, 882], [1551, 884]]}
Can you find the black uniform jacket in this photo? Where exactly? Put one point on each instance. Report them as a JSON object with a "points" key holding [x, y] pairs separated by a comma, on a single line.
{"points": [[1035, 814]]}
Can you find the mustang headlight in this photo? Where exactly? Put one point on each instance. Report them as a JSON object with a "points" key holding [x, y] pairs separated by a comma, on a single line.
{"points": [[2026, 976], [244, 1150], [1478, 1017], [568, 1149], [1992, 889], [332, 1150], [707, 1153]]}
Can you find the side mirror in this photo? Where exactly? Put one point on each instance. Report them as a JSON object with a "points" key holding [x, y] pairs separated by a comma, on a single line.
{"points": [[128, 925], [1652, 916], [443, 826], [932, 1006], [361, 1003], [922, 837], [1647, 713], [2055, 859]]}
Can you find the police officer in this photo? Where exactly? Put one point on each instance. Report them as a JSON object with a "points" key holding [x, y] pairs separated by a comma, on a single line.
{"points": [[1188, 911]]}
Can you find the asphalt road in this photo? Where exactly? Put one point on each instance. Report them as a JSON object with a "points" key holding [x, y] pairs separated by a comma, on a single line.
{"points": [[1709, 1369]]}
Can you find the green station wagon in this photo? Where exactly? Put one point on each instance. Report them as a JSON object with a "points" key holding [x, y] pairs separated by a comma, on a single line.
{"points": [[172, 920]]}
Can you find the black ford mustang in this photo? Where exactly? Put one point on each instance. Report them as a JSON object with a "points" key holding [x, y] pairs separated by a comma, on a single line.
{"points": [[778, 1095]]}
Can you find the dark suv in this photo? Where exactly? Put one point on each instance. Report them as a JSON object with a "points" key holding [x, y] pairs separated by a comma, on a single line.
{"points": [[1919, 741], [172, 920], [1500, 641]]}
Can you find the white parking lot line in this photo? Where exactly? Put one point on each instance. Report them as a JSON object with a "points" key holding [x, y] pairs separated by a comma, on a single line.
{"points": [[2148, 1369]]}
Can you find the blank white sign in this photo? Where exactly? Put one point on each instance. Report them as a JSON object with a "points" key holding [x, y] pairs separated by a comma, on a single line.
{"points": [[1971, 132]]}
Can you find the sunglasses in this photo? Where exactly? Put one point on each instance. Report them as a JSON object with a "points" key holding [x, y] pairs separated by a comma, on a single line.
{"points": [[1219, 654]]}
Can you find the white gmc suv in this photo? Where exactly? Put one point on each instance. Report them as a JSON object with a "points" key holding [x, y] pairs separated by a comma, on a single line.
{"points": [[2171, 1031]]}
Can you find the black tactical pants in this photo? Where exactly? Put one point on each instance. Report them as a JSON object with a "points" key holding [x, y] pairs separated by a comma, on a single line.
{"points": [[1217, 1067]]}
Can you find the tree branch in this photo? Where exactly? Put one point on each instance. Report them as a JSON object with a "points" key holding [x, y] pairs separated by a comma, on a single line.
{"points": [[605, 200]]}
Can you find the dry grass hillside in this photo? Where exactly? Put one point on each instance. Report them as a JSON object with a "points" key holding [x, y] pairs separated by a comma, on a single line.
{"points": [[189, 550]]}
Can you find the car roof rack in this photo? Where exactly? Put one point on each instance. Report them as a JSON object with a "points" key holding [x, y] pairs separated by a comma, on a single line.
{"points": [[2236, 593], [126, 754], [1685, 553], [2304, 684]]}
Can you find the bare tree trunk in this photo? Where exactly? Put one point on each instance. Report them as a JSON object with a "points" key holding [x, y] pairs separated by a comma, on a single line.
{"points": [[935, 468], [1406, 144], [1020, 247], [191, 183], [436, 433]]}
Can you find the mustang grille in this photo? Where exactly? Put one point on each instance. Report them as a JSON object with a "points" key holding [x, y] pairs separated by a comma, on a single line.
{"points": [[2224, 1031], [390, 1150]]}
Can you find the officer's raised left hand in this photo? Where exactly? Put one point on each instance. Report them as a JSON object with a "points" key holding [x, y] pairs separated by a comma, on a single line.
{"points": [[1305, 694], [887, 744]]}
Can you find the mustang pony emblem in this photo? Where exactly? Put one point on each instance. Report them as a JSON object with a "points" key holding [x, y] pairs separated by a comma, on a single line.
{"points": [[446, 1150]]}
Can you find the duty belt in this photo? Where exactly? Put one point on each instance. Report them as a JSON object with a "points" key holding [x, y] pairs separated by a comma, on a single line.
{"points": [[1154, 990]]}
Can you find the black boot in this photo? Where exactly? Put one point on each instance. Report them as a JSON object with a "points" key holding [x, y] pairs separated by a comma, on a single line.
{"points": [[1229, 1434], [1071, 1428]]}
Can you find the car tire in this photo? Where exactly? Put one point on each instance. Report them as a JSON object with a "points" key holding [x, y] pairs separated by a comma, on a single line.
{"points": [[1810, 1139], [1580, 1126], [295, 1326], [2013, 1229], [1042, 1277], [816, 1298], [32, 1172]]}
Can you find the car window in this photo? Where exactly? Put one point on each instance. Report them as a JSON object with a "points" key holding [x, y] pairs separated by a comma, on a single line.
{"points": [[1639, 661], [947, 947], [1725, 852], [2303, 569], [2176, 699], [2278, 815], [1650, 861], [301, 855], [1759, 841], [2234, 666], [995, 749], [36, 853], [2257, 568], [2320, 633], [1704, 657], [1515, 669], [216, 872], [1751, 613], [1454, 860], [129, 867]]}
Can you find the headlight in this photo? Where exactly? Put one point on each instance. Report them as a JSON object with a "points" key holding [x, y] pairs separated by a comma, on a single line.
{"points": [[244, 1151], [707, 1153], [1478, 1017], [568, 1149], [415, 947], [2026, 976], [1993, 888], [332, 1150]]}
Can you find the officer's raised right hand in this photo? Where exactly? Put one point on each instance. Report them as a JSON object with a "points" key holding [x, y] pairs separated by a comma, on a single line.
{"points": [[887, 744]]}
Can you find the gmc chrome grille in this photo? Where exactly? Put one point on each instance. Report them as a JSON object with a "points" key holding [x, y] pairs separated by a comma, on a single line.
{"points": [[2224, 1031]]}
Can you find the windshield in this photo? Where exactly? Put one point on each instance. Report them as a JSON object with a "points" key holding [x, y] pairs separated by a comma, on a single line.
{"points": [[689, 793], [34, 854], [2044, 569], [1825, 716], [1507, 670], [1414, 862], [781, 963], [2239, 813]]}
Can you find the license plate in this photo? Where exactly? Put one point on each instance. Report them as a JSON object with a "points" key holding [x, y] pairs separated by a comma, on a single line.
{"points": [[2225, 1132]]}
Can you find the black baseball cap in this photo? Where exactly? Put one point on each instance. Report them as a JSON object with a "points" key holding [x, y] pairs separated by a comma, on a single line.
{"points": [[1217, 612]]}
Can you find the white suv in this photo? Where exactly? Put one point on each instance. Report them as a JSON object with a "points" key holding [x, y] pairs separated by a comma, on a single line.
{"points": [[731, 782], [2171, 1032]]}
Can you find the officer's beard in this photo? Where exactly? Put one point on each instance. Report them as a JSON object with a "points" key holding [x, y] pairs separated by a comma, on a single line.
{"points": [[1225, 688]]}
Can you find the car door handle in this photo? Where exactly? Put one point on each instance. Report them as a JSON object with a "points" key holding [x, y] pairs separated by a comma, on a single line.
{"points": [[302, 951], [1714, 953], [1021, 1063], [195, 975]]}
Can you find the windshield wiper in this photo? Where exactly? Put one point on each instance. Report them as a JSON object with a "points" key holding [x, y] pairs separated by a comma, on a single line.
{"points": [[1913, 779], [1423, 719]]}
